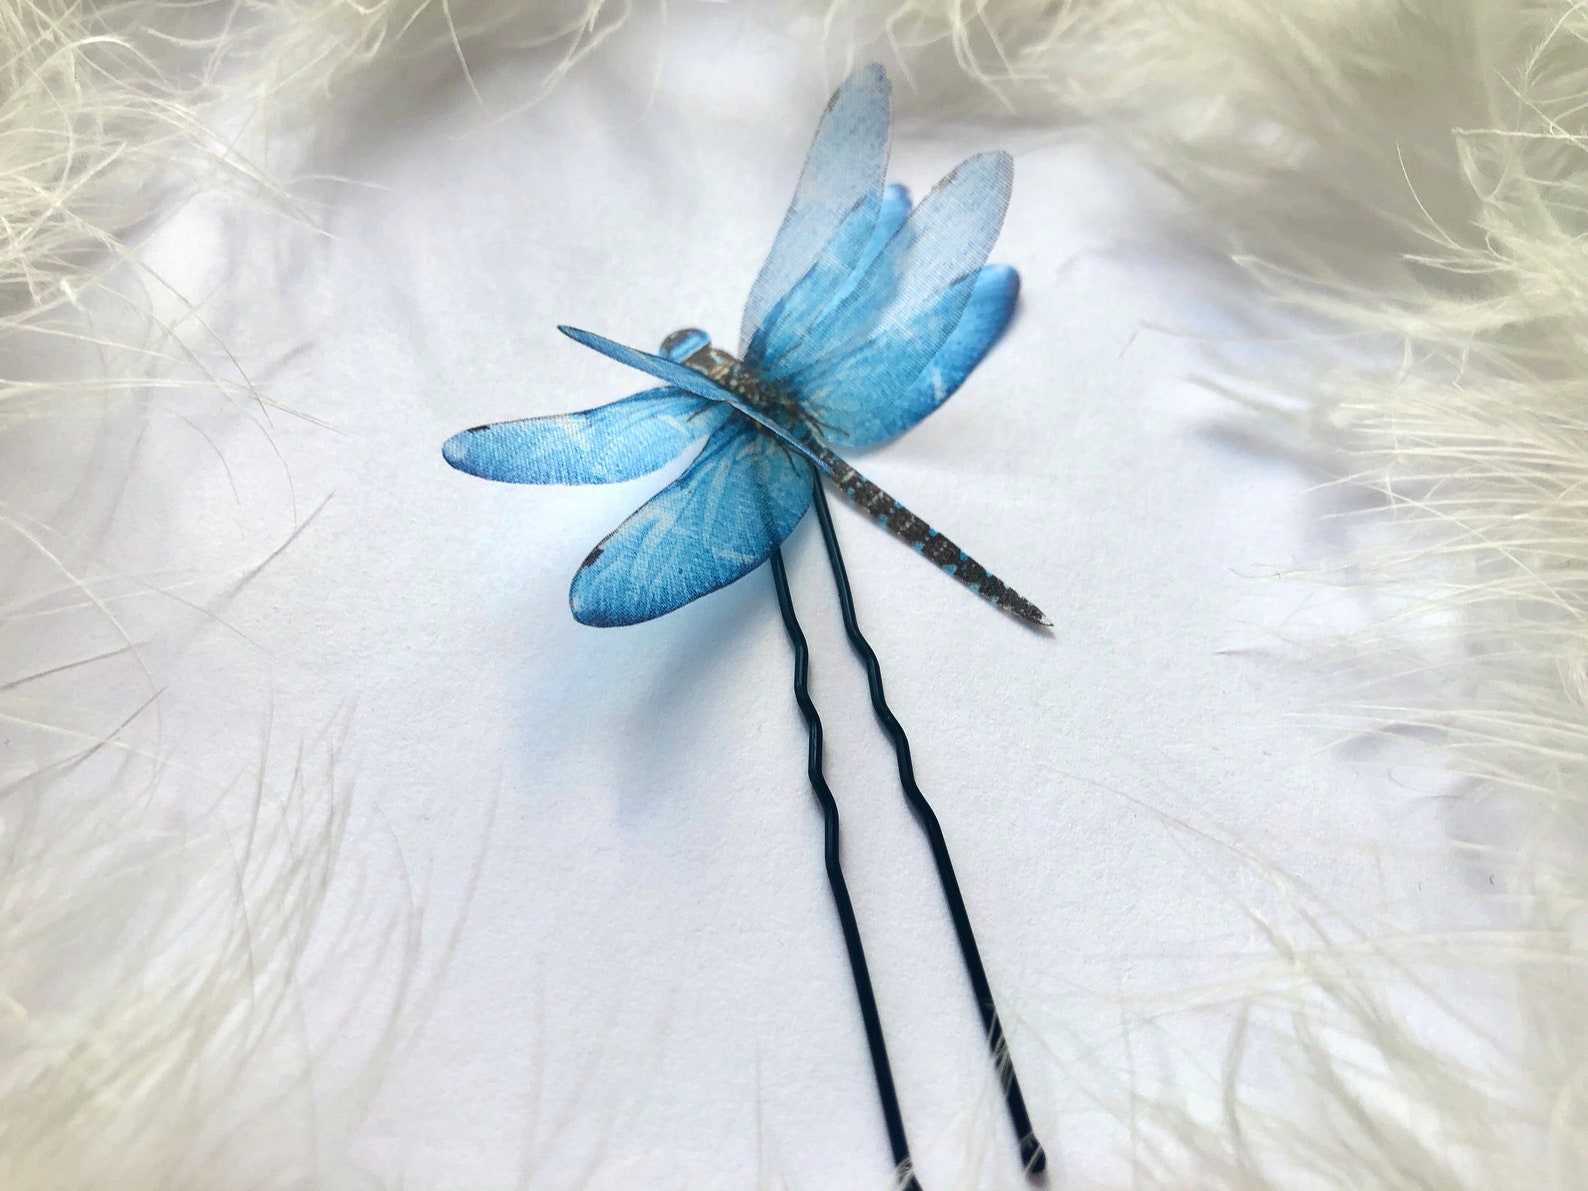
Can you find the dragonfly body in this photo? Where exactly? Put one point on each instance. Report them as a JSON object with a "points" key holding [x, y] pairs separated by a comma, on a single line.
{"points": [[868, 313], [785, 410]]}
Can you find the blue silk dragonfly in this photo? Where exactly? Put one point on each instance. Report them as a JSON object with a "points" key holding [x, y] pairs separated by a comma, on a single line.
{"points": [[865, 318], [867, 315]]}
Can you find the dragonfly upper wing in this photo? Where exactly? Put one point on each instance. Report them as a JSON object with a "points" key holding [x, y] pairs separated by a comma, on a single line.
{"points": [[692, 382], [845, 167], [671, 371], [722, 518], [857, 242], [618, 441], [945, 240], [867, 396]]}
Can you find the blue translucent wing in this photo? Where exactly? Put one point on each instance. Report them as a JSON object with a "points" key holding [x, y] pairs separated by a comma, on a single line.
{"points": [[797, 311], [618, 441], [945, 240], [895, 210], [660, 367], [858, 242], [690, 381], [737, 501], [844, 167], [876, 392]]}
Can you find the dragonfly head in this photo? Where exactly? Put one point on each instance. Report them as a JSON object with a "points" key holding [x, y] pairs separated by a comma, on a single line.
{"points": [[681, 345]]}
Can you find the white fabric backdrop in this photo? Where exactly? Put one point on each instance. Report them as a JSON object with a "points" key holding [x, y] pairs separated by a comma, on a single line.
{"points": [[650, 971]]}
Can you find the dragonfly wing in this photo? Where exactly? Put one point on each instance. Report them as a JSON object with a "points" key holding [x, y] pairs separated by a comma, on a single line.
{"points": [[618, 441], [895, 210], [945, 241], [693, 382], [737, 501], [844, 167], [877, 391], [857, 242], [660, 367]]}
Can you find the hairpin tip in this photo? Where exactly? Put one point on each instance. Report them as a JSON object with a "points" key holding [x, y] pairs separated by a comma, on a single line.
{"points": [[1033, 1155]]}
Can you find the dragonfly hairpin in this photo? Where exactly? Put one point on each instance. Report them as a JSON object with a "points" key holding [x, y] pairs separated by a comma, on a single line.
{"points": [[867, 315]]}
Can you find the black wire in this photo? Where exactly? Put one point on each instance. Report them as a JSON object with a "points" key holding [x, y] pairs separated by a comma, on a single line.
{"points": [[1031, 1152], [905, 1173]]}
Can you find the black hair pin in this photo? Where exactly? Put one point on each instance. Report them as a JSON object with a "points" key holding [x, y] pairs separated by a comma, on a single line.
{"points": [[1032, 1155]]}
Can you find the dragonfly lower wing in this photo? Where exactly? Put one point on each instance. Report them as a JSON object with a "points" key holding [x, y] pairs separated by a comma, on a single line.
{"points": [[720, 519], [907, 527], [621, 440]]}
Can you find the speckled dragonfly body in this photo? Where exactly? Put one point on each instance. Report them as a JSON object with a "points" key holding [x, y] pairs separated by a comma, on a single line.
{"points": [[866, 316]]}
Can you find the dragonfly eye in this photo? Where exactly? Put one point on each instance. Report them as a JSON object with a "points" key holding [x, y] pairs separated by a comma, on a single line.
{"points": [[680, 345]]}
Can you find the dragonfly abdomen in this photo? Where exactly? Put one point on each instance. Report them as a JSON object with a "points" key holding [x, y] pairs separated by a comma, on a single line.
{"points": [[907, 527], [775, 410]]}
